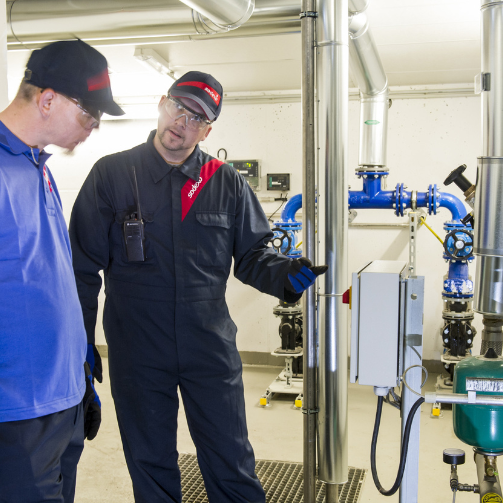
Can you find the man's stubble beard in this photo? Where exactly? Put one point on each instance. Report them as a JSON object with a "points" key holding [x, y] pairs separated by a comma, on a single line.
{"points": [[168, 147]]}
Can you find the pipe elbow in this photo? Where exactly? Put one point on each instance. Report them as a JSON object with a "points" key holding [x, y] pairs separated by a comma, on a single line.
{"points": [[358, 25], [291, 208], [453, 204], [357, 6]]}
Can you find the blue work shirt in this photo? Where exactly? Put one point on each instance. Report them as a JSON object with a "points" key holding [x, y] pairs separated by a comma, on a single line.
{"points": [[42, 336]]}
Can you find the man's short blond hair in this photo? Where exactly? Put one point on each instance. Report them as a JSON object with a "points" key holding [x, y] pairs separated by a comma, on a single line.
{"points": [[26, 91]]}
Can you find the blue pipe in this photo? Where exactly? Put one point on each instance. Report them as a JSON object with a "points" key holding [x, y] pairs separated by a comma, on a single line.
{"points": [[293, 205], [458, 284], [373, 197], [453, 204]]}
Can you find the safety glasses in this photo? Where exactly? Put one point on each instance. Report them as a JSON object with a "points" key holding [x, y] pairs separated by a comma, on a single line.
{"points": [[193, 121], [88, 117]]}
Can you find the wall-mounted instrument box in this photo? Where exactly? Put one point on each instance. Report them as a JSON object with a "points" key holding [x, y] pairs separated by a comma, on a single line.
{"points": [[250, 169], [278, 181]]}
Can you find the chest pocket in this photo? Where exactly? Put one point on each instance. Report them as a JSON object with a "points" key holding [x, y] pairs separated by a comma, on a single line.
{"points": [[214, 239]]}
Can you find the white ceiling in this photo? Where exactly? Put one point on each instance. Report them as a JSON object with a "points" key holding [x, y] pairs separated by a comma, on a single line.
{"points": [[421, 42]]}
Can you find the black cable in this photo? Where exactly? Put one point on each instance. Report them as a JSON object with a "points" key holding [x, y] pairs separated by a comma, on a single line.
{"points": [[280, 206], [405, 447], [218, 153]]}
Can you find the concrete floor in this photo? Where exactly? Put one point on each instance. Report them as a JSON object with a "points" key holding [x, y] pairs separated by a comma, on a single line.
{"points": [[276, 434]]}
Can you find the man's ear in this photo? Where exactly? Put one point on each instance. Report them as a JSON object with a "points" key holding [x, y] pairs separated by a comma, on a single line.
{"points": [[206, 134], [45, 101], [161, 103]]}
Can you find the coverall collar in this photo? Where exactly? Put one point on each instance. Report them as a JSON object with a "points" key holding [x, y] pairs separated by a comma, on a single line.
{"points": [[191, 167], [9, 141]]}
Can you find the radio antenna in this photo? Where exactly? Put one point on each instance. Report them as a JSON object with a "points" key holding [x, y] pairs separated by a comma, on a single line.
{"points": [[137, 194]]}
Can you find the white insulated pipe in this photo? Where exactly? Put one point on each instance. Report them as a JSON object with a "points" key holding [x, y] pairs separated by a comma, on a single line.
{"points": [[371, 79], [333, 98]]}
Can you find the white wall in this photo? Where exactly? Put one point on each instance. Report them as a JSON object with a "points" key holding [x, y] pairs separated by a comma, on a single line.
{"points": [[427, 139]]}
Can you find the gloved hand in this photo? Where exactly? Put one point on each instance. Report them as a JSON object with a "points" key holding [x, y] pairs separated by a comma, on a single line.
{"points": [[93, 358], [302, 275], [92, 407]]}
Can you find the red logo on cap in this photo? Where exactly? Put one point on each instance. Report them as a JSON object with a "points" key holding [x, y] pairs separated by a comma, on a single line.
{"points": [[214, 95], [99, 81]]}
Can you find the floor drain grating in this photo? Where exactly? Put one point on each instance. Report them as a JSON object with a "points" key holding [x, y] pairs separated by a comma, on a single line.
{"points": [[282, 482]]}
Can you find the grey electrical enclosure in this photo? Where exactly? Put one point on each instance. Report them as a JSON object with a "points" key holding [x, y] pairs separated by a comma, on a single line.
{"points": [[377, 319]]}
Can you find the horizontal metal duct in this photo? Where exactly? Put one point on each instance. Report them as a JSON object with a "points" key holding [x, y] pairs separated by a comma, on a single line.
{"points": [[110, 22], [223, 14]]}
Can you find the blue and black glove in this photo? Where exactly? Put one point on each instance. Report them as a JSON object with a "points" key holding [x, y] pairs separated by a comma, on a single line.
{"points": [[92, 406], [301, 275], [93, 358]]}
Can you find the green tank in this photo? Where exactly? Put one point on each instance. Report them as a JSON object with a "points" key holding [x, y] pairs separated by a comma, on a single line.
{"points": [[480, 425]]}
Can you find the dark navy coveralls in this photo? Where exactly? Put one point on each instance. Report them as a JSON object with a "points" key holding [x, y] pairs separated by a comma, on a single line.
{"points": [[166, 320]]}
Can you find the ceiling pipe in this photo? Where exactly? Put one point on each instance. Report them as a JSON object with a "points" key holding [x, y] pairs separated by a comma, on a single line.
{"points": [[33, 24], [373, 84], [221, 15]]}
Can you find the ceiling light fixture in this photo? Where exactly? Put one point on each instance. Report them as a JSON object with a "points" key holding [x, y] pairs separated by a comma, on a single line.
{"points": [[153, 60]]}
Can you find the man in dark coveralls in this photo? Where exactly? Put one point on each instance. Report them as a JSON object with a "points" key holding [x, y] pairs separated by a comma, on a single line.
{"points": [[184, 216]]}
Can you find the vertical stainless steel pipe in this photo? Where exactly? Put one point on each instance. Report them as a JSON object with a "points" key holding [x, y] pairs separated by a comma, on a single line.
{"points": [[492, 64], [332, 86], [308, 31], [488, 240], [373, 84]]}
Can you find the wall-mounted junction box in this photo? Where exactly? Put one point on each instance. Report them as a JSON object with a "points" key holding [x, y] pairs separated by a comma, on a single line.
{"points": [[377, 319]]}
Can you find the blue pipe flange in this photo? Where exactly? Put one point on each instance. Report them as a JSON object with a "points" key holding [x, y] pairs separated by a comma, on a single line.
{"points": [[455, 225], [456, 296], [432, 199], [397, 199], [402, 198]]}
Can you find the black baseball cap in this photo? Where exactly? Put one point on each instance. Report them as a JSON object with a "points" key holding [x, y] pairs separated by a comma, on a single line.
{"points": [[201, 87], [75, 69]]}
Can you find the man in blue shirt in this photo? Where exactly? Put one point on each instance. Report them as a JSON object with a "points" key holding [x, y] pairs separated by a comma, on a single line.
{"points": [[43, 418]]}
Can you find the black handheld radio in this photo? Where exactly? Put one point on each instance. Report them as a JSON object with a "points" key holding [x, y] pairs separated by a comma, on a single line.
{"points": [[134, 231]]}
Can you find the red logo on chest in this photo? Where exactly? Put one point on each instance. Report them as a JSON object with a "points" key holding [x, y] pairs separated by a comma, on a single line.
{"points": [[192, 188]]}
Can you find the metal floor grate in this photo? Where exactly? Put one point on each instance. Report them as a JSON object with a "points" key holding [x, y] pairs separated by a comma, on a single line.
{"points": [[282, 482]]}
